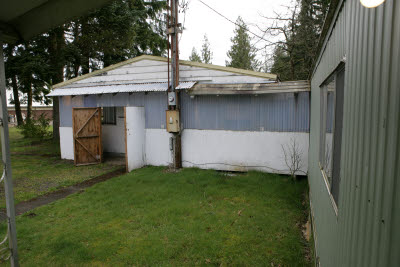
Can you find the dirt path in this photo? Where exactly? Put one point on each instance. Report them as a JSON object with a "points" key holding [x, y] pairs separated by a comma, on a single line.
{"points": [[33, 203]]}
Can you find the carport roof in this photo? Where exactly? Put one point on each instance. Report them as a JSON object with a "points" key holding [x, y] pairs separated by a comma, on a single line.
{"points": [[23, 19]]}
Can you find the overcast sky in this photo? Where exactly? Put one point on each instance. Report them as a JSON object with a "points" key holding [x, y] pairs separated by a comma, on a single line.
{"points": [[201, 20]]}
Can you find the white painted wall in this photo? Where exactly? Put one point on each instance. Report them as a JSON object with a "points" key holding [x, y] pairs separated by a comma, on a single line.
{"points": [[207, 149], [114, 135], [135, 137], [157, 147], [240, 151], [66, 143]]}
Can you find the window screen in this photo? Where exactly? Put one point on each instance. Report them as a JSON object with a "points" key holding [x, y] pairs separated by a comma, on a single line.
{"points": [[109, 115]]}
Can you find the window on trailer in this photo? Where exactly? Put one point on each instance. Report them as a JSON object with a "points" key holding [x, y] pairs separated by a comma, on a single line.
{"points": [[332, 91], [109, 115]]}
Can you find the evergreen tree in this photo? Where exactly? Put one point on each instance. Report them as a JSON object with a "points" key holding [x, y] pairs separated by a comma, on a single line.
{"points": [[194, 56], [119, 31], [28, 70], [11, 69], [241, 55], [281, 64], [206, 54]]}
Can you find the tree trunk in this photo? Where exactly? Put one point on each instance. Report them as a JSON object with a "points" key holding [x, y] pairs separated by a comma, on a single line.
{"points": [[85, 50], [17, 104], [77, 61], [292, 66], [57, 43], [29, 104]]}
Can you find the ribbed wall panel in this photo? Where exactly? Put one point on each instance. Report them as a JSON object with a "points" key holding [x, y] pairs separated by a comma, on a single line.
{"points": [[288, 112], [155, 105], [366, 230]]}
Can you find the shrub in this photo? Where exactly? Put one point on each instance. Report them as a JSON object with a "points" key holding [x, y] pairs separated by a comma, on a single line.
{"points": [[39, 128]]}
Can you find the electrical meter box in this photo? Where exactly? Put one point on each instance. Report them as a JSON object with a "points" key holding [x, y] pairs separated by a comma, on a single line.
{"points": [[173, 123], [172, 98]]}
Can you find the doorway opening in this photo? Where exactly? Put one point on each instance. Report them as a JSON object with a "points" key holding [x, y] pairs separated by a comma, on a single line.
{"points": [[113, 135]]}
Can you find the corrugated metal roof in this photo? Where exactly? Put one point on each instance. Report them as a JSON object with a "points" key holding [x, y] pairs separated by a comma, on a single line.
{"points": [[164, 59], [119, 88]]}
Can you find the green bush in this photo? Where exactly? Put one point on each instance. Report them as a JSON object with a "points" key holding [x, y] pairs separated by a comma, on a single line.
{"points": [[39, 128]]}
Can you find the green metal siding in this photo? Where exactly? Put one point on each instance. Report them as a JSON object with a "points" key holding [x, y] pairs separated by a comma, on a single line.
{"points": [[366, 230]]}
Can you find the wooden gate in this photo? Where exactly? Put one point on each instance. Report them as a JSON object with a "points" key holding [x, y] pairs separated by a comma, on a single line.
{"points": [[86, 124]]}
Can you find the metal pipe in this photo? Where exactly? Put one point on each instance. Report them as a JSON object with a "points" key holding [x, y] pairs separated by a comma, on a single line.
{"points": [[5, 146], [168, 46]]}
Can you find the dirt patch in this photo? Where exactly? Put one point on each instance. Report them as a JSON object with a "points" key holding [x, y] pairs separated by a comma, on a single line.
{"points": [[31, 204], [35, 154], [307, 231]]}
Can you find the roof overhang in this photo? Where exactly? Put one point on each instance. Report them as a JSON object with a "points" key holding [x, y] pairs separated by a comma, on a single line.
{"points": [[250, 88], [119, 88], [24, 19]]}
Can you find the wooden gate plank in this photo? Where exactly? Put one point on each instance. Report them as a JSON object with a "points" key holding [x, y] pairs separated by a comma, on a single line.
{"points": [[86, 123], [84, 147]]}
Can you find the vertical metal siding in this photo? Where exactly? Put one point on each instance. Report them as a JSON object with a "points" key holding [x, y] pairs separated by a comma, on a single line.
{"points": [[155, 105], [65, 108], [365, 232], [288, 112]]}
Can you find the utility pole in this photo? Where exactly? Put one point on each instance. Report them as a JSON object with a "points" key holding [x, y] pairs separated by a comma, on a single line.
{"points": [[173, 114], [11, 252]]}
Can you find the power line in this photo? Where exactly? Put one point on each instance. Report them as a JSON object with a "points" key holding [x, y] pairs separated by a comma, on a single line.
{"points": [[231, 21]]}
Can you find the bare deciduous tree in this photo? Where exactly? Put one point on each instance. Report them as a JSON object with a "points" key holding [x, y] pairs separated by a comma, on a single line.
{"points": [[283, 25], [293, 157]]}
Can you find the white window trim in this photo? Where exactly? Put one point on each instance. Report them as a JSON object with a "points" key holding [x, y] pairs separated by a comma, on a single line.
{"points": [[322, 133]]}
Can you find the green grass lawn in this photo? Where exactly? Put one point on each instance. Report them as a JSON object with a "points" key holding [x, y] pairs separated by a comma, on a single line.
{"points": [[37, 168], [151, 217]]}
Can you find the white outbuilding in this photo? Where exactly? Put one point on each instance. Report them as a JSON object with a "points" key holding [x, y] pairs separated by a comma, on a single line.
{"points": [[231, 119]]}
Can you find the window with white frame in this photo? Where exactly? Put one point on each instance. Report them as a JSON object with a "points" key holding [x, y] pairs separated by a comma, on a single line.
{"points": [[332, 91], [109, 116]]}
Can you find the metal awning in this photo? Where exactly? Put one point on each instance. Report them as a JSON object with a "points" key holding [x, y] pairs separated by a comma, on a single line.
{"points": [[24, 19], [119, 88]]}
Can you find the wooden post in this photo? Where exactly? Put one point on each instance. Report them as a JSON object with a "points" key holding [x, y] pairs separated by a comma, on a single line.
{"points": [[173, 30]]}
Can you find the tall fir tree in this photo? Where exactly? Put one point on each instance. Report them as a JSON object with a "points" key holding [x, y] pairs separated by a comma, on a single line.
{"points": [[195, 57], [206, 54], [241, 54]]}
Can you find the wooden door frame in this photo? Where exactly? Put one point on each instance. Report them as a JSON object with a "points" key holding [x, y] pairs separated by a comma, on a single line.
{"points": [[100, 139]]}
